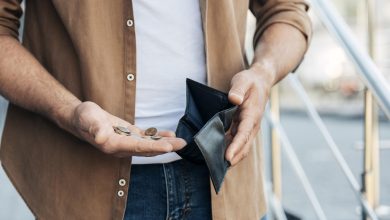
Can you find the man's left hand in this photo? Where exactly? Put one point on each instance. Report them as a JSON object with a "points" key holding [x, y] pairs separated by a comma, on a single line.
{"points": [[249, 90]]}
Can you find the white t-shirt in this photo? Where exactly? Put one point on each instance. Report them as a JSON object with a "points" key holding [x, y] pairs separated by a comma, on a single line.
{"points": [[169, 49]]}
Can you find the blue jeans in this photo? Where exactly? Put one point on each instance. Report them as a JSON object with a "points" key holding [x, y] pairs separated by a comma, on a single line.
{"points": [[171, 191]]}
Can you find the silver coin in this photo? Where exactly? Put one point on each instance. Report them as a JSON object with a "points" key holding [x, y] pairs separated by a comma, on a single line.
{"points": [[155, 137], [122, 130]]}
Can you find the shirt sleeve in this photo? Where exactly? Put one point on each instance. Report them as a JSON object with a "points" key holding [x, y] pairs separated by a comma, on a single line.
{"points": [[10, 13], [292, 12]]}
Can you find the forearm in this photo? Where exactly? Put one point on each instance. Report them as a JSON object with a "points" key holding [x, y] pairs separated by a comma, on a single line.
{"points": [[25, 82], [279, 50]]}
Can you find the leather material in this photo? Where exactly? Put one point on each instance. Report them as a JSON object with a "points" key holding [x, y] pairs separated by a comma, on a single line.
{"points": [[207, 117]]}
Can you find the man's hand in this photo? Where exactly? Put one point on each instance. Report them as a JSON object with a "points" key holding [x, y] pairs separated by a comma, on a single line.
{"points": [[278, 51], [249, 90], [95, 125]]}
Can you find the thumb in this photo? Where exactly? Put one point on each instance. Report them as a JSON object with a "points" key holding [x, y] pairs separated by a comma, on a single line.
{"points": [[238, 88]]}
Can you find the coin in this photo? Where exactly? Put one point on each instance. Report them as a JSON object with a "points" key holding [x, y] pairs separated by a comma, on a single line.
{"points": [[156, 137], [151, 131], [122, 130]]}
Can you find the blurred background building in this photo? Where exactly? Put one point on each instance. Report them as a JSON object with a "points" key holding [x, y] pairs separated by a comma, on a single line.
{"points": [[335, 88]]}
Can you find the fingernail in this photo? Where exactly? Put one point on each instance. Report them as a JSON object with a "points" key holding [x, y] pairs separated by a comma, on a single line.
{"points": [[183, 141], [239, 97]]}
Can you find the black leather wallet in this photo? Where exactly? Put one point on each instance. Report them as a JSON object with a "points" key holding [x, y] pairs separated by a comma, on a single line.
{"points": [[207, 117]]}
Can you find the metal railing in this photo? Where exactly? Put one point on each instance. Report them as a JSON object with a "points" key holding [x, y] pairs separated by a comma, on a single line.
{"points": [[377, 88]]}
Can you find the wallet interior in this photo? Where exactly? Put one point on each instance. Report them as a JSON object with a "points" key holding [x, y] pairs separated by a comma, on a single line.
{"points": [[207, 117], [203, 103]]}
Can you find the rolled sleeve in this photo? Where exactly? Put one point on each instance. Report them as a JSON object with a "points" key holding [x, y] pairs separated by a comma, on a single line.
{"points": [[292, 12], [10, 13]]}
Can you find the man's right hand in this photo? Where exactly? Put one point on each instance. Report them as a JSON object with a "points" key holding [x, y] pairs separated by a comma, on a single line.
{"points": [[93, 124]]}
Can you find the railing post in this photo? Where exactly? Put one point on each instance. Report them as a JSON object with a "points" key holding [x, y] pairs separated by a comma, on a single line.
{"points": [[276, 169], [371, 173]]}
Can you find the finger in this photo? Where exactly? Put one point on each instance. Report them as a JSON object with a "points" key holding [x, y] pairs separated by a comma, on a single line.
{"points": [[177, 143], [240, 139], [142, 145], [244, 151], [228, 138], [229, 134], [133, 145], [166, 133], [136, 145], [141, 150], [235, 121], [126, 154], [239, 86], [241, 155], [164, 145]]}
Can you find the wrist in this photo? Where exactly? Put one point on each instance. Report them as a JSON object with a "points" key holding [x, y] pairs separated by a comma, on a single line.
{"points": [[265, 72], [64, 116]]}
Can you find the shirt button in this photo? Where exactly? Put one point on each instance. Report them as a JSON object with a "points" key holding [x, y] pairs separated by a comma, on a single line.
{"points": [[120, 193], [130, 77], [122, 182], [129, 23]]}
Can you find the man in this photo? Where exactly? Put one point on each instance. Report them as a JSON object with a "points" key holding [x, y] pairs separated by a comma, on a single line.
{"points": [[86, 66]]}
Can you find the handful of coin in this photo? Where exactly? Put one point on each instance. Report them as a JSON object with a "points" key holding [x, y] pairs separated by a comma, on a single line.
{"points": [[150, 133]]}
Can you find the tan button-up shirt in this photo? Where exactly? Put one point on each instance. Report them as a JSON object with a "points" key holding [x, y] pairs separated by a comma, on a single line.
{"points": [[89, 46]]}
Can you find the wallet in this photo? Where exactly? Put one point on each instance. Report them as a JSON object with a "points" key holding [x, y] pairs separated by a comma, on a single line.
{"points": [[208, 115]]}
